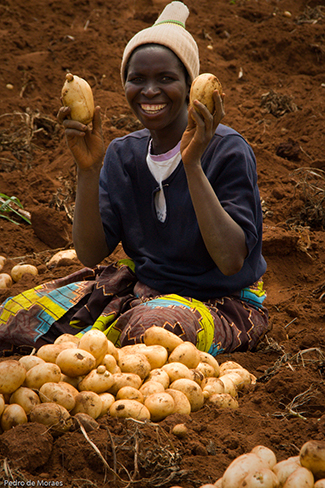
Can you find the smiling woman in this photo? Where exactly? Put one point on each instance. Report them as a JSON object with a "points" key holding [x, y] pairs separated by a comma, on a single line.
{"points": [[182, 197], [157, 89]]}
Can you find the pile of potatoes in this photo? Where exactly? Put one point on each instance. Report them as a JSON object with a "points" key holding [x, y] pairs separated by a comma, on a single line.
{"points": [[260, 469], [60, 258], [90, 376]]}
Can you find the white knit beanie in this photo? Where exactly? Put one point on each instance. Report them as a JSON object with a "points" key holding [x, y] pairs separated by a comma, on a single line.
{"points": [[168, 30]]}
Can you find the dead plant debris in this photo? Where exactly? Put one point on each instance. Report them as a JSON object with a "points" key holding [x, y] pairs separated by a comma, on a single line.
{"points": [[300, 400], [18, 131], [311, 15], [311, 355], [310, 187], [277, 104]]}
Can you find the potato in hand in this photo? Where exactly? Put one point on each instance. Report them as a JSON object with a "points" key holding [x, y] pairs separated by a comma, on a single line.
{"points": [[77, 94], [202, 89]]}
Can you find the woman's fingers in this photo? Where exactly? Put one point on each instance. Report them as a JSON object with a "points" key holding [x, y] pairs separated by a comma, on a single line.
{"points": [[219, 107], [70, 125]]}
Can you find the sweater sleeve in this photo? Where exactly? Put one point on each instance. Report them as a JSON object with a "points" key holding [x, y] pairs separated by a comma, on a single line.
{"points": [[109, 215], [232, 173]]}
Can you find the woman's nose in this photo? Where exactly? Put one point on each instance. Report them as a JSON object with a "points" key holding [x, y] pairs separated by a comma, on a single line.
{"points": [[150, 89]]}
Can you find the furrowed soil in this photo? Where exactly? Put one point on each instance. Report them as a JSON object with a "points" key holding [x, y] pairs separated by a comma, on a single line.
{"points": [[269, 56]]}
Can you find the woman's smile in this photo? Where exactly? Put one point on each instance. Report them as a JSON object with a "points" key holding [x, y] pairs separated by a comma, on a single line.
{"points": [[151, 108]]}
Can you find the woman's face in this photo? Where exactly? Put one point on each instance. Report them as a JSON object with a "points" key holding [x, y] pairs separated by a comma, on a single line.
{"points": [[156, 88]]}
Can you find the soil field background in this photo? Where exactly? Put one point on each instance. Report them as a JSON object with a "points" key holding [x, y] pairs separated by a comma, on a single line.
{"points": [[270, 58]]}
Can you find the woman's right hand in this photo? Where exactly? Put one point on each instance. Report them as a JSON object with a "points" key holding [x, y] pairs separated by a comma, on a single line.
{"points": [[86, 144]]}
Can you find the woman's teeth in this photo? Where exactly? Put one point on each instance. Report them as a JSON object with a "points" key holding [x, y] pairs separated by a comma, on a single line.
{"points": [[152, 109]]}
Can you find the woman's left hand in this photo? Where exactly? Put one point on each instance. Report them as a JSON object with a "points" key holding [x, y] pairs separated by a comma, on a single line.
{"points": [[200, 128]]}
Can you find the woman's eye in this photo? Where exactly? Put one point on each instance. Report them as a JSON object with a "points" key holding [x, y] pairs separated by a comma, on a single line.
{"points": [[135, 79]]}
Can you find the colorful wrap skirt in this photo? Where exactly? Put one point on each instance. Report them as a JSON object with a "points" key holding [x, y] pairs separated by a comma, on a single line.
{"points": [[111, 299]]}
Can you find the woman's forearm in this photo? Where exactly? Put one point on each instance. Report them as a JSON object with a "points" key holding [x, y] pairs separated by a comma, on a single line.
{"points": [[88, 233], [223, 237]]}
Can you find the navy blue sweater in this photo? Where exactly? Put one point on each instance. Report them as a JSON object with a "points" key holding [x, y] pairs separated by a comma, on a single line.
{"points": [[170, 256]]}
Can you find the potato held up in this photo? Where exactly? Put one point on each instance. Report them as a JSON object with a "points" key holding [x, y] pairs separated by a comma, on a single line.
{"points": [[202, 89], [77, 94]]}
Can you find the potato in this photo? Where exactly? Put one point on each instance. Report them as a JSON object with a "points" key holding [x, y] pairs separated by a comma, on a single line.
{"points": [[50, 352], [284, 468], [86, 421], [176, 371], [71, 381], [211, 386], [157, 355], [208, 485], [2, 404], [97, 382], [246, 378], [135, 363], [196, 376], [75, 362], [266, 454], [181, 402], [129, 409], [240, 467], [207, 358], [62, 258], [192, 390], [107, 400], [29, 361], [160, 376], [186, 353], [129, 393], [110, 364], [3, 260], [260, 478], [42, 373], [227, 365], [218, 483], [13, 415], [67, 338], [202, 89], [151, 387], [312, 456], [88, 402], [52, 415], [5, 280], [180, 430], [58, 393], [223, 400], [12, 375], [77, 94], [206, 369], [237, 380], [160, 405], [112, 350], [320, 483], [125, 379], [229, 385], [95, 342], [25, 397], [162, 337], [300, 478], [132, 349], [18, 271]]}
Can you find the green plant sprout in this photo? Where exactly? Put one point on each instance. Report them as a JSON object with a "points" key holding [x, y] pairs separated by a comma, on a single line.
{"points": [[7, 206]]}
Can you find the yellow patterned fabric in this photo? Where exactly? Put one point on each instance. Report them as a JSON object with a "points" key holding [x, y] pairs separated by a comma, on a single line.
{"points": [[111, 299]]}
